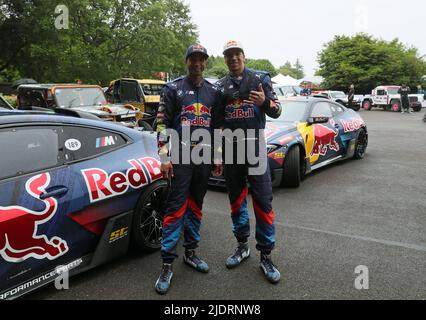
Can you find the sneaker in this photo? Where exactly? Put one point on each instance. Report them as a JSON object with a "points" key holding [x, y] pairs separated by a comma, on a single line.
{"points": [[269, 269], [242, 253], [410, 111], [402, 111], [191, 259], [163, 283]]}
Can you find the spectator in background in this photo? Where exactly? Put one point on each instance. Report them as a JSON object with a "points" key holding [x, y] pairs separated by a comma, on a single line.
{"points": [[306, 91], [351, 95], [420, 89], [404, 91]]}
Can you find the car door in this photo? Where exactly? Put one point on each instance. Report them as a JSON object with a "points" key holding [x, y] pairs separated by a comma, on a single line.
{"points": [[34, 188], [327, 144]]}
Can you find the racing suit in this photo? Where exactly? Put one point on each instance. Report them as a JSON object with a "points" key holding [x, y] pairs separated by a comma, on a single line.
{"points": [[183, 104], [240, 115]]}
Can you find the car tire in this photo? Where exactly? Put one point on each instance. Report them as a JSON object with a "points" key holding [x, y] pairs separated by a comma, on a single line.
{"points": [[355, 107], [366, 105], [147, 222], [292, 173], [361, 144], [144, 125], [417, 109], [396, 105]]}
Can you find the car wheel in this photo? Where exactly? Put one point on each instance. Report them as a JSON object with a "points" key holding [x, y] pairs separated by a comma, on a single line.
{"points": [[147, 222], [291, 177], [361, 144], [145, 125], [417, 109], [396, 105], [356, 107], [366, 104]]}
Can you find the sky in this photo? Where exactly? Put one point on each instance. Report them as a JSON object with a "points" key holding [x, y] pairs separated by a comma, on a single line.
{"points": [[286, 30]]}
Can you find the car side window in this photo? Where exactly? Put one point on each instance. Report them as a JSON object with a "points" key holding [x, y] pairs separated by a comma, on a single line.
{"points": [[336, 109], [321, 109], [85, 142], [29, 149]]}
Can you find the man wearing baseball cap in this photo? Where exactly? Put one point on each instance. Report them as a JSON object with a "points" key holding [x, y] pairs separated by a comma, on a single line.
{"points": [[189, 102], [248, 97]]}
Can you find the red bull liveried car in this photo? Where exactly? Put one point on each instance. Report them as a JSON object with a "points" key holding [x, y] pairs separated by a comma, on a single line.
{"points": [[310, 133], [74, 193]]}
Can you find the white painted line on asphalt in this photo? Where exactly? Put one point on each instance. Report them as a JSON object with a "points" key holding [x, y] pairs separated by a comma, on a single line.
{"points": [[381, 241]]}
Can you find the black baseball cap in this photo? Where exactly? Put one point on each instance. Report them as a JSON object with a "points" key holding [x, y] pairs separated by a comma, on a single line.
{"points": [[196, 48]]}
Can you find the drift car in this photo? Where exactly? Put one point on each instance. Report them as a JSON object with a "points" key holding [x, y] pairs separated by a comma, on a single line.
{"points": [[86, 98], [310, 133], [75, 193]]}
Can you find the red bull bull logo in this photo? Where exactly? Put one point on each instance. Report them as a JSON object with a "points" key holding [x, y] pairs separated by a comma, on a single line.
{"points": [[19, 238], [196, 114], [235, 110], [325, 139]]}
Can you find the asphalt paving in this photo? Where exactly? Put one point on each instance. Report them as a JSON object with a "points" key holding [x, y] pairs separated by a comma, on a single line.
{"points": [[369, 212]]}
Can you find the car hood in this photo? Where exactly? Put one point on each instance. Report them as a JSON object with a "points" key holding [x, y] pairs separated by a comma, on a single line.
{"points": [[108, 110], [275, 131]]}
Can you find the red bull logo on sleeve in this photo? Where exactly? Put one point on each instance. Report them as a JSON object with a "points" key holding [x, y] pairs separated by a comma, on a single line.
{"points": [[325, 139], [19, 238], [197, 115]]}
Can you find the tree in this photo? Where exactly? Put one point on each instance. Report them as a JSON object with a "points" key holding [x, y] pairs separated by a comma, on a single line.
{"points": [[106, 39], [288, 70], [262, 65], [216, 68], [368, 62]]}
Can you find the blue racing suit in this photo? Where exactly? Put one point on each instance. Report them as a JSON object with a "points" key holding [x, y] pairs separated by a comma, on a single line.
{"points": [[240, 115], [184, 104]]}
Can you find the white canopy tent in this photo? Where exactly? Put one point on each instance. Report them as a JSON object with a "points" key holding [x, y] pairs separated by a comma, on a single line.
{"points": [[285, 80]]}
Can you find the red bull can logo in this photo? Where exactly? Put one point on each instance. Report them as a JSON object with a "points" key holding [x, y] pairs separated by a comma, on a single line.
{"points": [[196, 114], [325, 139], [19, 238]]}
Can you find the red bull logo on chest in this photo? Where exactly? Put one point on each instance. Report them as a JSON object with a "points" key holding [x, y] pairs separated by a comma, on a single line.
{"points": [[197, 115], [235, 110], [19, 237]]}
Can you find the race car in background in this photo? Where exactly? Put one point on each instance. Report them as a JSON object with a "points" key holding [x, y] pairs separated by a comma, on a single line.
{"points": [[310, 133], [75, 193]]}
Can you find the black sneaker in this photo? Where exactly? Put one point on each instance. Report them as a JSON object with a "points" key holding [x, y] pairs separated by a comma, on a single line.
{"points": [[163, 283], [269, 269], [242, 253], [191, 259]]}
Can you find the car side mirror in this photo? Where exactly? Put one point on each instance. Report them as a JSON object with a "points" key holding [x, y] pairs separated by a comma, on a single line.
{"points": [[315, 120]]}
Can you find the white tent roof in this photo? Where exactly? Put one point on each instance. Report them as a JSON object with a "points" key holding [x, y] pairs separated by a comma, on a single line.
{"points": [[285, 80], [313, 79]]}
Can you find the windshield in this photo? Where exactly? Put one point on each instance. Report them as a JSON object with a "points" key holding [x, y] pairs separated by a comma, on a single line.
{"points": [[392, 90], [79, 97], [152, 89], [284, 91], [293, 111], [338, 94]]}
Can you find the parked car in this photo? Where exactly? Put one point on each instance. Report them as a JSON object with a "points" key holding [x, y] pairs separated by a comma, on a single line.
{"points": [[86, 98], [388, 98], [140, 93], [75, 193], [310, 133], [4, 104], [342, 98], [285, 91]]}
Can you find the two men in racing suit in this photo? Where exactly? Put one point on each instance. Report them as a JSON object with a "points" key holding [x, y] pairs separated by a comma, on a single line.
{"points": [[187, 104], [247, 97]]}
